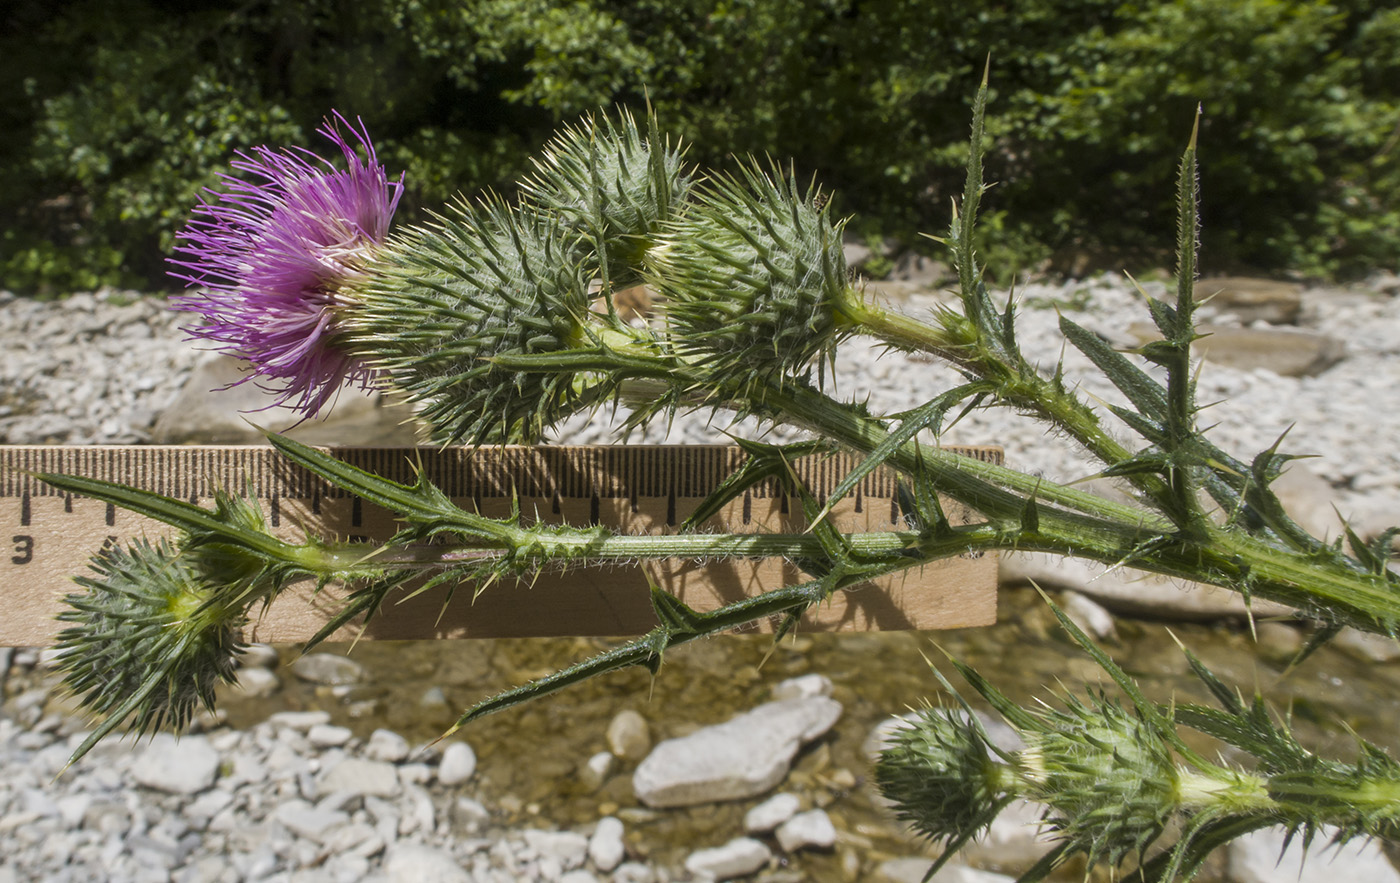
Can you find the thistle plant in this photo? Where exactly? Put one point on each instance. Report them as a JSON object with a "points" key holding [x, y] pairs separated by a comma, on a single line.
{"points": [[497, 320]]}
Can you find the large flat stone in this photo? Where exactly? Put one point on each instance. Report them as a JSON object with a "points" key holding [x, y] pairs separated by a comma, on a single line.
{"points": [[178, 766], [1133, 592], [1252, 299], [1260, 857], [368, 777], [1287, 353], [742, 757], [209, 410]]}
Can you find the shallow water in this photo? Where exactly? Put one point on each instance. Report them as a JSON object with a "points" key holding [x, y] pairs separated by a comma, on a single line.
{"points": [[529, 757]]}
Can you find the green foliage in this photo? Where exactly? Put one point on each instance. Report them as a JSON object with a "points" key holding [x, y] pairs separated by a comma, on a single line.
{"points": [[112, 115]]}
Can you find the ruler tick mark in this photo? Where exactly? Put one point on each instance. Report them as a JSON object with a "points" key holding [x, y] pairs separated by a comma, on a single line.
{"points": [[24, 509], [357, 513], [111, 514]]}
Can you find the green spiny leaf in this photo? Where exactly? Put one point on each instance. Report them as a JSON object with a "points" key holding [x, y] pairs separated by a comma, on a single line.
{"points": [[1146, 394]]}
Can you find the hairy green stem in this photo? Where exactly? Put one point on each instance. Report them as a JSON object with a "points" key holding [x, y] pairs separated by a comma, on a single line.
{"points": [[600, 544], [1021, 389]]}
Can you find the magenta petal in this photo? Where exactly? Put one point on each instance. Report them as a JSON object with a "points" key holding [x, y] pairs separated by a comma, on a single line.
{"points": [[272, 250]]}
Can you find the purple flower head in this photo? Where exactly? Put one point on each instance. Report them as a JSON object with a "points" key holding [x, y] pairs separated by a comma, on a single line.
{"points": [[272, 253]]}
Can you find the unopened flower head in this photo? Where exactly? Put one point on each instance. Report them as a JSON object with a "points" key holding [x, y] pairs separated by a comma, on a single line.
{"points": [[941, 777], [613, 187], [1106, 776], [449, 302], [753, 276], [149, 639], [271, 253]]}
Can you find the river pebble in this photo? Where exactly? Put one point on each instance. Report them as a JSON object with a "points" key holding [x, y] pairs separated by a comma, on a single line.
{"points": [[742, 757], [605, 847], [1269, 855], [185, 765], [328, 669], [771, 813], [386, 745], [807, 830], [457, 765], [629, 735], [737, 858]]}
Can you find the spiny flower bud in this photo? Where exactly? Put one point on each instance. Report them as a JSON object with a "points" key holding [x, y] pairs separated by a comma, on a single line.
{"points": [[753, 276], [610, 187], [149, 640], [1106, 776], [447, 300], [941, 778]]}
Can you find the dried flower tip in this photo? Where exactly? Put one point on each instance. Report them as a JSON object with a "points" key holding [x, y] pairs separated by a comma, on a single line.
{"points": [[149, 640], [272, 254]]}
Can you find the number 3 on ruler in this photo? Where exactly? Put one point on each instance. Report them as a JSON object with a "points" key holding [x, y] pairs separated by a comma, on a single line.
{"points": [[24, 546]]}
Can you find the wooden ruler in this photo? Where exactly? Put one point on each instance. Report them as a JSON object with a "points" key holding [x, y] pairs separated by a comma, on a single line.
{"points": [[641, 489]]}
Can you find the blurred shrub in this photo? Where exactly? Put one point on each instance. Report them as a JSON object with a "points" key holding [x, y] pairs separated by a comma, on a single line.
{"points": [[114, 114]]}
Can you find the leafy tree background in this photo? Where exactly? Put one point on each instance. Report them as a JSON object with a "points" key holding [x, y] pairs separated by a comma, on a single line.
{"points": [[114, 113]]}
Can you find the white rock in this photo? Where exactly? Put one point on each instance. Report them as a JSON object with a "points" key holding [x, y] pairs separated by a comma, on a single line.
{"points": [[742, 757], [259, 656], [596, 770], [367, 777], [913, 870], [629, 736], [803, 687], [606, 848], [1366, 646], [179, 766], [771, 813], [737, 858], [1089, 615], [633, 872], [1259, 857], [470, 813], [568, 847], [386, 745], [415, 773], [356, 837], [208, 805], [257, 682], [1013, 841], [458, 764], [305, 820], [1130, 591], [327, 736], [808, 830], [415, 863], [579, 876], [300, 721], [328, 669]]}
